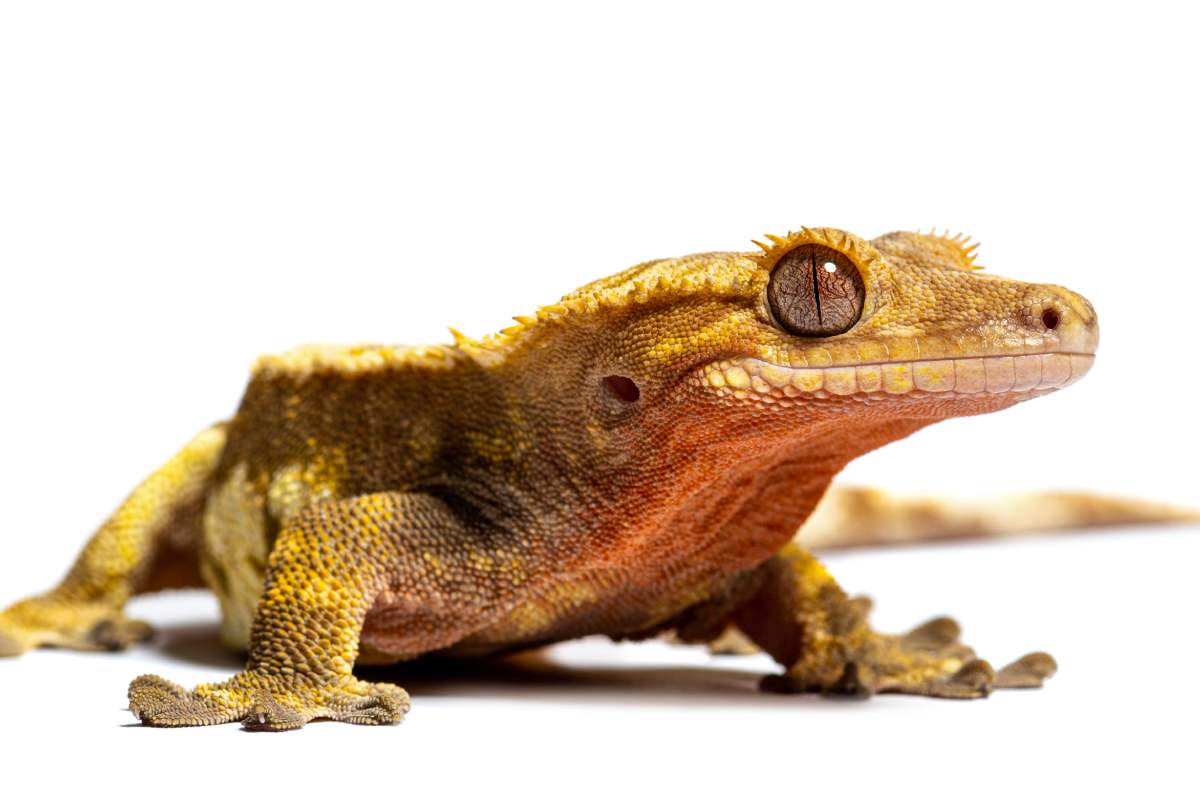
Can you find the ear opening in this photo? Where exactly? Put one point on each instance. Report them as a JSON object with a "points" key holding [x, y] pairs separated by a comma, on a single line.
{"points": [[622, 388]]}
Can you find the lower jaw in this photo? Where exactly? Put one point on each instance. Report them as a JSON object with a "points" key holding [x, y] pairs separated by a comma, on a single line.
{"points": [[973, 377]]}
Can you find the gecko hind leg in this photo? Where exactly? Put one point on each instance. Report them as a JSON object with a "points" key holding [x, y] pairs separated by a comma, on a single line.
{"points": [[149, 543], [802, 618], [47, 621]]}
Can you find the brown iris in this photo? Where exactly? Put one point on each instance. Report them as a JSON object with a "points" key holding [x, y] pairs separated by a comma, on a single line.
{"points": [[816, 291]]}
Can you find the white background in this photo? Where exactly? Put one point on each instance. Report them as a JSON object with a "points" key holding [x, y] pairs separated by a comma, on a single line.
{"points": [[184, 186]]}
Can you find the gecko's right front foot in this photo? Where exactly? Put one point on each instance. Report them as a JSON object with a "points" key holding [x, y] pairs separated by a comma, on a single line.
{"points": [[265, 702], [50, 621]]}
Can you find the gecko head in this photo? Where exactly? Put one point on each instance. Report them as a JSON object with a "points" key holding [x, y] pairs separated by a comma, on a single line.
{"points": [[907, 320], [821, 330]]}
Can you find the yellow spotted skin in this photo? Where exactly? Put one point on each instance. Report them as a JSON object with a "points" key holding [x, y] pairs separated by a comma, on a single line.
{"points": [[632, 460]]}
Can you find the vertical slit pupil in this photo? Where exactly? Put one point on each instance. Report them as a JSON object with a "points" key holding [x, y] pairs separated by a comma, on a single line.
{"points": [[816, 285], [623, 388]]}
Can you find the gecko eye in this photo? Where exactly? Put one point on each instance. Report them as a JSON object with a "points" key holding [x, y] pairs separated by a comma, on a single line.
{"points": [[816, 291]]}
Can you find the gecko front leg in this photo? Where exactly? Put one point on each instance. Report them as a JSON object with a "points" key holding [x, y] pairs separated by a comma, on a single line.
{"points": [[805, 621], [328, 567]]}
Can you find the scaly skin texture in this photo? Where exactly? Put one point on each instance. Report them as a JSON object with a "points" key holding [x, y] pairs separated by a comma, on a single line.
{"points": [[634, 460]]}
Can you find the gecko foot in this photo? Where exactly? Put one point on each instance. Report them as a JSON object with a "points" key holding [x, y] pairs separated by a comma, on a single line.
{"points": [[928, 660], [264, 702], [47, 620]]}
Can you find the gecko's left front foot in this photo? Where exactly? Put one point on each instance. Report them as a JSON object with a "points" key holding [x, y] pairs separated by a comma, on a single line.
{"points": [[928, 660], [262, 702], [807, 623]]}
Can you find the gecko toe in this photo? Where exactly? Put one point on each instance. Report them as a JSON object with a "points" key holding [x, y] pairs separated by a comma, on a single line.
{"points": [[382, 704], [861, 604], [269, 714], [158, 702], [936, 634], [973, 680], [1028, 672], [850, 684], [118, 632], [12, 643]]}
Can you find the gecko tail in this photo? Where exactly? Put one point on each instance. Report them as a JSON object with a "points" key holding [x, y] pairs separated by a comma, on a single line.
{"points": [[849, 517]]}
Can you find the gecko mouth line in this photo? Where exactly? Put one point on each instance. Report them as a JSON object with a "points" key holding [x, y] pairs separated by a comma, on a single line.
{"points": [[750, 377]]}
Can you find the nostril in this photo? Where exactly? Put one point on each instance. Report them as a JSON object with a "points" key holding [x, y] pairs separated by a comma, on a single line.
{"points": [[623, 388], [1050, 318]]}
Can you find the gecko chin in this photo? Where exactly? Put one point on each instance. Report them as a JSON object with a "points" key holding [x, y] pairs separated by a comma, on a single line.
{"points": [[989, 382]]}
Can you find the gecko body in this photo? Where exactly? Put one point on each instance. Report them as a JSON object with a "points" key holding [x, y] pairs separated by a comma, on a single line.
{"points": [[633, 460]]}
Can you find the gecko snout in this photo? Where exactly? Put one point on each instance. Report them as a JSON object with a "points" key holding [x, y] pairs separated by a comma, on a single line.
{"points": [[1066, 319]]}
